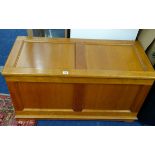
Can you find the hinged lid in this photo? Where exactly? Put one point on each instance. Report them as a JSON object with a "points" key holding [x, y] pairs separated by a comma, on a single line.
{"points": [[78, 58]]}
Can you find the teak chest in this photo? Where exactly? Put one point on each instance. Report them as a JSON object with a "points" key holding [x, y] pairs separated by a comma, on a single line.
{"points": [[77, 78]]}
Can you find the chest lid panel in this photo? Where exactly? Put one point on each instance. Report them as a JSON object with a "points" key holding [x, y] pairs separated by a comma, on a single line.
{"points": [[79, 57], [46, 55]]}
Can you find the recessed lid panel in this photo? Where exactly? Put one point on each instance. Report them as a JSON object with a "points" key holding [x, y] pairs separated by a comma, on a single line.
{"points": [[109, 57], [44, 55]]}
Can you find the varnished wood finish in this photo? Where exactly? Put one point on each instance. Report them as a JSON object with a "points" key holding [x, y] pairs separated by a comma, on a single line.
{"points": [[78, 103], [77, 98], [140, 97], [110, 115], [77, 78]]}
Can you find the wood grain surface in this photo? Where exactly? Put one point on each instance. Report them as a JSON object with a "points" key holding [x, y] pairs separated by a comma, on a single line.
{"points": [[77, 78]]}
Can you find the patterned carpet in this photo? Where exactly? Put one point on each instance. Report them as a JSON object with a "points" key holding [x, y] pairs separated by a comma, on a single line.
{"points": [[7, 114]]}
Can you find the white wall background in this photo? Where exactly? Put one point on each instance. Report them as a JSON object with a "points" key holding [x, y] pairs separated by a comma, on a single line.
{"points": [[109, 34]]}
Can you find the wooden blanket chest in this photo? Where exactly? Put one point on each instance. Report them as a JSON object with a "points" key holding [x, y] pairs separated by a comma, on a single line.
{"points": [[77, 78]]}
